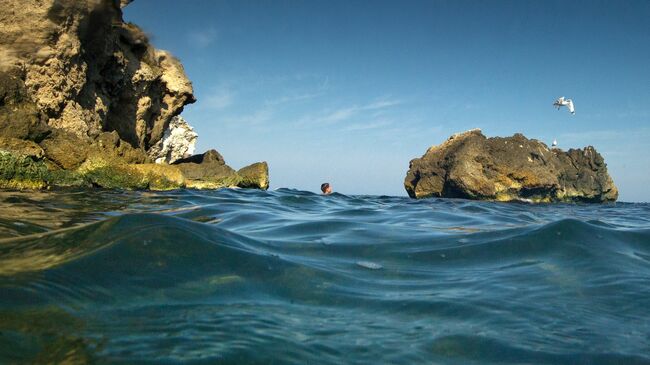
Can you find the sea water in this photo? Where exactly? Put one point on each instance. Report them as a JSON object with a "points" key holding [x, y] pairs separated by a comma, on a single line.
{"points": [[292, 277]]}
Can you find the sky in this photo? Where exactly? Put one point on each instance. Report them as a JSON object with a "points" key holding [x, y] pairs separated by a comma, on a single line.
{"points": [[349, 91]]}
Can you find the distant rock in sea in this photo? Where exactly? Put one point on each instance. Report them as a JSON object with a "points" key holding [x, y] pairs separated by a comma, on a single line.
{"points": [[85, 98], [469, 165]]}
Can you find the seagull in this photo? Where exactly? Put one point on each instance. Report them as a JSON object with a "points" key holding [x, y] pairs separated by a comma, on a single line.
{"points": [[561, 101], [554, 143]]}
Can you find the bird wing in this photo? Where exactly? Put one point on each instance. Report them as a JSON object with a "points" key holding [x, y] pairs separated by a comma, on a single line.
{"points": [[570, 105]]}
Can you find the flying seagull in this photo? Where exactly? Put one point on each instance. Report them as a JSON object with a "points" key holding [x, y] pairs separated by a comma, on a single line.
{"points": [[561, 101], [554, 143]]}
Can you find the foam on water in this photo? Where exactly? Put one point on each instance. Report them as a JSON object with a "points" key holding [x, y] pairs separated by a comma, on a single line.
{"points": [[291, 277]]}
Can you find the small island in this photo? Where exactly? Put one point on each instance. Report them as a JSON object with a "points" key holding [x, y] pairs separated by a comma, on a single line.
{"points": [[471, 166]]}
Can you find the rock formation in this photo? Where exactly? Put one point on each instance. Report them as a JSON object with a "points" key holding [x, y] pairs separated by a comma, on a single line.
{"points": [[79, 87], [469, 165], [209, 170], [86, 71], [178, 142]]}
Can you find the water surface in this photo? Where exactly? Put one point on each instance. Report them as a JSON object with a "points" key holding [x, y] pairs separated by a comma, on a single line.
{"points": [[291, 277]]}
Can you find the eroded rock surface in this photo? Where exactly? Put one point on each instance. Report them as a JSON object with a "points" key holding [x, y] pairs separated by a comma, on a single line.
{"points": [[179, 141], [254, 176], [79, 66], [469, 165], [85, 99], [209, 170]]}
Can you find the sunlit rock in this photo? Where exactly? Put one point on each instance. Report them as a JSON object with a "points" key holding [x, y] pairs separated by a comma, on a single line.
{"points": [[179, 141], [469, 165]]}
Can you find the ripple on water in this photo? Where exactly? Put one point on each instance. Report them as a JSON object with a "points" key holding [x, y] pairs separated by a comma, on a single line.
{"points": [[244, 276]]}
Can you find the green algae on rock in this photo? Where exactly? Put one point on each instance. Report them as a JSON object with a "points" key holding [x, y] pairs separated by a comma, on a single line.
{"points": [[469, 165], [21, 172], [209, 171], [115, 174], [25, 171]]}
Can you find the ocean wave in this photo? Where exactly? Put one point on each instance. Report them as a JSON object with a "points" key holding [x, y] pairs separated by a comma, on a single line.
{"points": [[296, 277]]}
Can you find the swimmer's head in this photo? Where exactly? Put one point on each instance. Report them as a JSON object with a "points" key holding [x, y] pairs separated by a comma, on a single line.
{"points": [[326, 188]]}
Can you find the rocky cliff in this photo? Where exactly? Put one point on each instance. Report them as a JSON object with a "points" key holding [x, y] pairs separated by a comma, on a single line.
{"points": [[79, 88], [469, 165]]}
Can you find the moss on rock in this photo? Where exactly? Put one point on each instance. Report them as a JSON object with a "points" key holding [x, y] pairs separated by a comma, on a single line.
{"points": [[111, 174], [114, 174], [21, 172], [160, 176], [66, 178], [229, 181], [67, 160]]}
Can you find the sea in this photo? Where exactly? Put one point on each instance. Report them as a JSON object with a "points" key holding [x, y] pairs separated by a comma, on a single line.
{"points": [[294, 277]]}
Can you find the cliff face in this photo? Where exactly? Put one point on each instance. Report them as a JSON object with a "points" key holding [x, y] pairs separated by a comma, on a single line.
{"points": [[86, 71], [469, 165], [86, 100]]}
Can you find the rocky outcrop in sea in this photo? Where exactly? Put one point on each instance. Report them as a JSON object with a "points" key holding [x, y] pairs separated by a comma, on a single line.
{"points": [[209, 171], [469, 165], [85, 99]]}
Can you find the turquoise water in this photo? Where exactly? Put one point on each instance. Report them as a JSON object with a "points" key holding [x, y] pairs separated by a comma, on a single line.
{"points": [[291, 277]]}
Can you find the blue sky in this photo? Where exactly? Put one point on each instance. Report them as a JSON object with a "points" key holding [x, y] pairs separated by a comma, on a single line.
{"points": [[349, 91]]}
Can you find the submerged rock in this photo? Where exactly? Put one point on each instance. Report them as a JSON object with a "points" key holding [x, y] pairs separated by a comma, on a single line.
{"points": [[469, 165]]}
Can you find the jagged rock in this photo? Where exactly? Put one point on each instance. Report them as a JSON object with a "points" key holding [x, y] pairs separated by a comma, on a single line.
{"points": [[469, 165], [85, 100], [179, 141], [84, 70]]}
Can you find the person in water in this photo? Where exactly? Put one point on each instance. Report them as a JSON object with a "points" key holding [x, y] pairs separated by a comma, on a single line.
{"points": [[326, 188]]}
